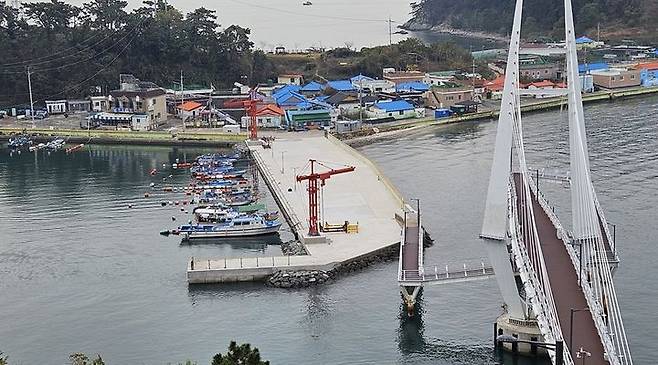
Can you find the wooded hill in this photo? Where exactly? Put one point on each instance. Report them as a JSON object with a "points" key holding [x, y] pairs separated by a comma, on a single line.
{"points": [[617, 18]]}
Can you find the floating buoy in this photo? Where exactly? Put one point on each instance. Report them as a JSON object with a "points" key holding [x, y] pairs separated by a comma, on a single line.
{"points": [[171, 203], [146, 195], [165, 232], [173, 218], [164, 204], [176, 202], [152, 184], [184, 202], [182, 209], [167, 188], [130, 206], [153, 171], [187, 212], [171, 176], [164, 165]]}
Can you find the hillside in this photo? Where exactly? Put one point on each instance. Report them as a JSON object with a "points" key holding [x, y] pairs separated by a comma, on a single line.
{"points": [[542, 18]]}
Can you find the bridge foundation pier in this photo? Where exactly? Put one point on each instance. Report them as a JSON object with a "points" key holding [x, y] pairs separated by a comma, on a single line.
{"points": [[409, 295], [523, 329]]}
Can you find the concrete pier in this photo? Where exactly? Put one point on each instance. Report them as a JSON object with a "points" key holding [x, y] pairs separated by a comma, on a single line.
{"points": [[364, 196]]}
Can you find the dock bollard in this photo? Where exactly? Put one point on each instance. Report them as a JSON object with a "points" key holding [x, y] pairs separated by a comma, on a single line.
{"points": [[288, 260], [192, 263], [208, 264], [241, 262], [272, 261], [225, 262], [256, 261]]}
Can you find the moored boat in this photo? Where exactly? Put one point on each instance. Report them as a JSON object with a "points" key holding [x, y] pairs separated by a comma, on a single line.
{"points": [[241, 226]]}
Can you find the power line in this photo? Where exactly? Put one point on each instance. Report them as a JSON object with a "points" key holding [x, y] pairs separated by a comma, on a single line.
{"points": [[128, 33], [108, 36]]}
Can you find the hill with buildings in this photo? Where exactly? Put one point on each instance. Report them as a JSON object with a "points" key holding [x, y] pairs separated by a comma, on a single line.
{"points": [[616, 19]]}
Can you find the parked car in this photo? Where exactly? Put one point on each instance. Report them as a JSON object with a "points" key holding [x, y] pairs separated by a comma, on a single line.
{"points": [[40, 114]]}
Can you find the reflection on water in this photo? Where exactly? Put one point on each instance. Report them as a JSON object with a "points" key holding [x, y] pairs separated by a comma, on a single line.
{"points": [[73, 256]]}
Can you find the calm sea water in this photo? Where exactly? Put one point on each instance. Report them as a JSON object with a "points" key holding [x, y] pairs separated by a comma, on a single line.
{"points": [[80, 271]]}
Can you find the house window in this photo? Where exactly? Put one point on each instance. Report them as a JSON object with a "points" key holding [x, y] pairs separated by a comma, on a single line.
{"points": [[268, 120], [292, 80], [621, 78], [154, 101], [401, 112], [632, 77], [459, 97], [545, 71]]}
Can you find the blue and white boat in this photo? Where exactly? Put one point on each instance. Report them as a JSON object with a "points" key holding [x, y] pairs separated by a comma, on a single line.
{"points": [[242, 226], [19, 142]]}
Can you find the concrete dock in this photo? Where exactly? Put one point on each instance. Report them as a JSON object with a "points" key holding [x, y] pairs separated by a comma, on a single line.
{"points": [[364, 196]]}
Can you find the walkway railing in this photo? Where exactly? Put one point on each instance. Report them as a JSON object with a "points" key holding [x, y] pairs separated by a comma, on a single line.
{"points": [[287, 210]]}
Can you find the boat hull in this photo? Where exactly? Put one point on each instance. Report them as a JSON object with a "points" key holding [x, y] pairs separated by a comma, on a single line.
{"points": [[246, 232]]}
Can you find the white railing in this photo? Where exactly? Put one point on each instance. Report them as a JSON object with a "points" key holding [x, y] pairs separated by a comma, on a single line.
{"points": [[546, 319], [594, 305], [294, 221]]}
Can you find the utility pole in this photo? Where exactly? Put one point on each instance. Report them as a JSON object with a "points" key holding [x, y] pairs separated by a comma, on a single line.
{"points": [[29, 85], [182, 97], [598, 32], [390, 31]]}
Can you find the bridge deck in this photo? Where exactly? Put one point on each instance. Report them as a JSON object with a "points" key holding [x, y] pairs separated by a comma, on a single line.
{"points": [[564, 283], [410, 249]]}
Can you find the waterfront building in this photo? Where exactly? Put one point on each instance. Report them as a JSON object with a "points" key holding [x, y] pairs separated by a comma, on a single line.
{"points": [[616, 78], [267, 116], [189, 109], [99, 103], [448, 94], [595, 66], [397, 109], [79, 106], [56, 106], [139, 97], [347, 103], [648, 73]]}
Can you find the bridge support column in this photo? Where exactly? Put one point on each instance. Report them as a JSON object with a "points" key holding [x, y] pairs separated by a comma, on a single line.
{"points": [[409, 295], [523, 329]]}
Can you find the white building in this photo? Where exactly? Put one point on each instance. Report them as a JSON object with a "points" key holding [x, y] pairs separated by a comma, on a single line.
{"points": [[374, 85], [56, 106], [294, 79], [99, 103]]}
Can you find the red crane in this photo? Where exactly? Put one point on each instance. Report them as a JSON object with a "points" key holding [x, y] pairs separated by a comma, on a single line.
{"points": [[313, 191], [251, 106]]}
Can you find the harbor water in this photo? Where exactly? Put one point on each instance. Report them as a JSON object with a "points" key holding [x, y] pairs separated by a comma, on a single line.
{"points": [[82, 272]]}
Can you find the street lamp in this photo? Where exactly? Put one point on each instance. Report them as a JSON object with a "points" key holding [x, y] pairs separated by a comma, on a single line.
{"points": [[582, 354], [571, 325]]}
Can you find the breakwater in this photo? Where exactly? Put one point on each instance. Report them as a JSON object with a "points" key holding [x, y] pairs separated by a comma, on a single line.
{"points": [[156, 138]]}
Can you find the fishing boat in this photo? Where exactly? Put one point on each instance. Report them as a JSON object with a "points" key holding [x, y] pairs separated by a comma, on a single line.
{"points": [[307, 3], [241, 226], [55, 145], [37, 147], [216, 213], [19, 142]]}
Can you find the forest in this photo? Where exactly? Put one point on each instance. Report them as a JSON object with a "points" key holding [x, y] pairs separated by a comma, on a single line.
{"points": [[615, 19], [73, 51]]}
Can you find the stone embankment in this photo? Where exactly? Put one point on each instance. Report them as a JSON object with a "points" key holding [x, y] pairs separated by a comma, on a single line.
{"points": [[302, 279], [293, 248]]}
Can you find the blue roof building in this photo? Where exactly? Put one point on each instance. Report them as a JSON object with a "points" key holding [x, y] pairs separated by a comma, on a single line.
{"points": [[397, 109], [584, 40], [341, 85], [394, 106], [285, 89], [312, 87], [587, 67], [414, 86], [289, 99]]}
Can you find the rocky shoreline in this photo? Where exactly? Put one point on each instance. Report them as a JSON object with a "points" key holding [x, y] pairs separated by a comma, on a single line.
{"points": [[293, 248], [414, 25], [302, 279]]}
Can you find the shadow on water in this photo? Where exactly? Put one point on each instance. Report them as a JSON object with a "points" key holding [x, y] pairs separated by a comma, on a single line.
{"points": [[411, 337], [459, 132], [253, 244]]}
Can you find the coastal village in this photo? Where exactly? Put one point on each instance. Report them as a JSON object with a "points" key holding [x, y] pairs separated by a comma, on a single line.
{"points": [[297, 102], [195, 190]]}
